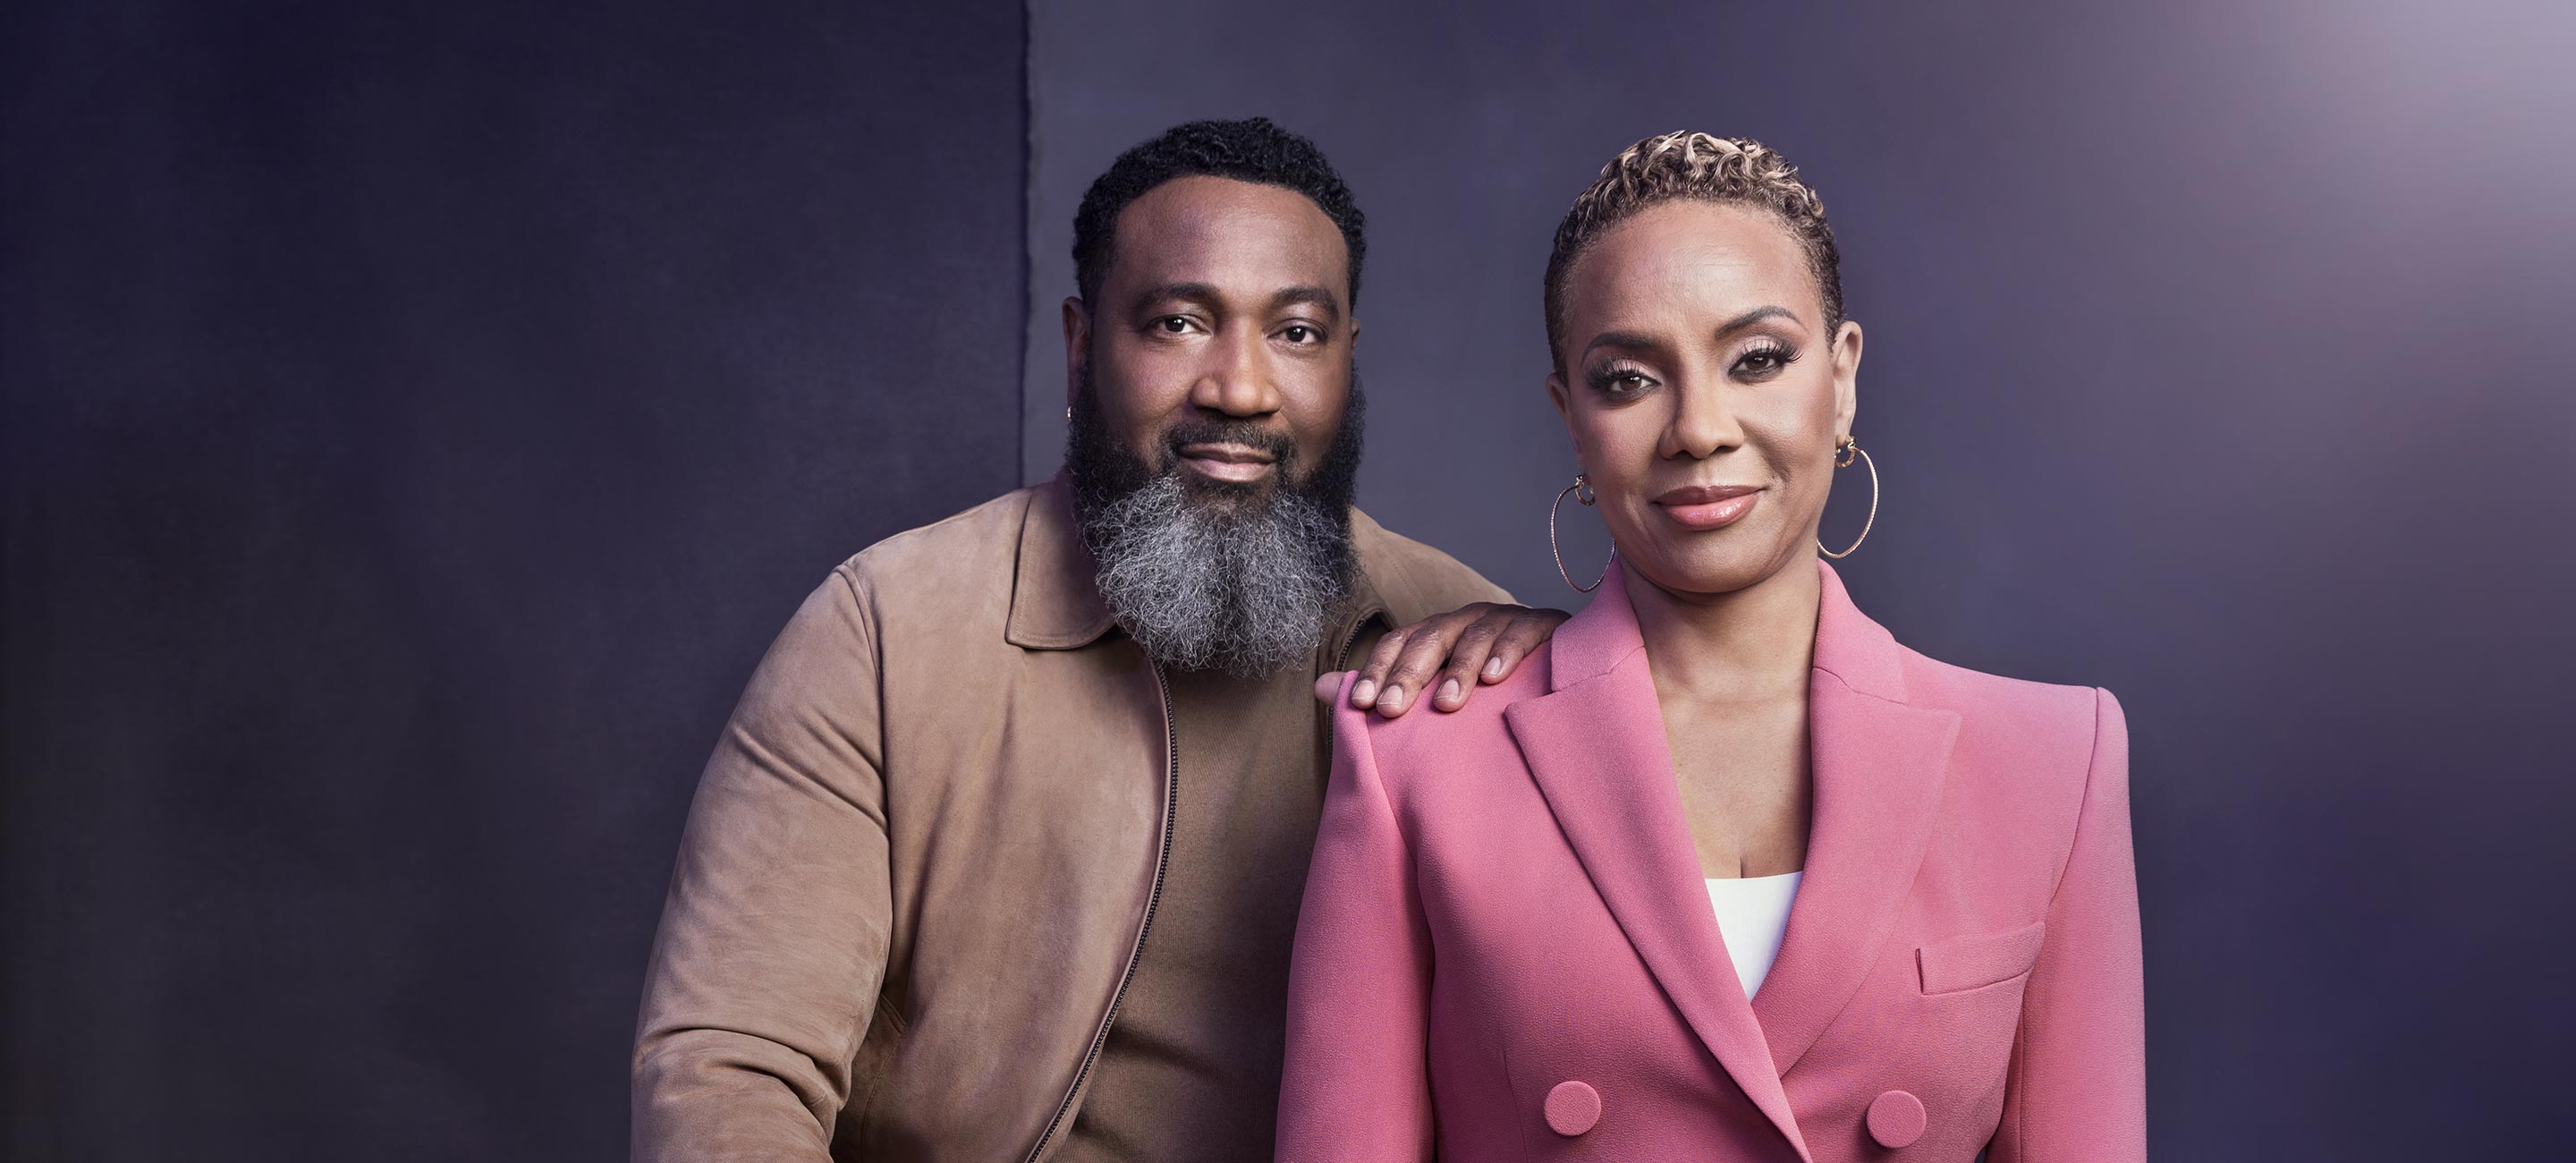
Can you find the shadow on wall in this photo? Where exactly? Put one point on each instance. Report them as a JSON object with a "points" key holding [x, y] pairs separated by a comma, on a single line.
{"points": [[421, 416]]}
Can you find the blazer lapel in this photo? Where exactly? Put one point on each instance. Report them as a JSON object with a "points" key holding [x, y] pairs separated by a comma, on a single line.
{"points": [[1878, 765], [1596, 746]]}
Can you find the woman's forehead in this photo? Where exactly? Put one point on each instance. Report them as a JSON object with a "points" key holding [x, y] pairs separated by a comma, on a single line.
{"points": [[1684, 260]]}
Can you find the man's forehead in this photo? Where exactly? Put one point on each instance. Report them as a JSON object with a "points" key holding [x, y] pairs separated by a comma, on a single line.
{"points": [[1237, 237]]}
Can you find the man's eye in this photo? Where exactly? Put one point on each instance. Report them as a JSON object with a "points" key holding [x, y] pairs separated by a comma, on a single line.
{"points": [[1174, 324], [1300, 333]]}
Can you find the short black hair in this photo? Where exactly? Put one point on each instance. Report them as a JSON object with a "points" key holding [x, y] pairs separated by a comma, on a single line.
{"points": [[1251, 150]]}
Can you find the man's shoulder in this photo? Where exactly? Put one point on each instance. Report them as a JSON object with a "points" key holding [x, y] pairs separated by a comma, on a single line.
{"points": [[975, 548], [1416, 580]]}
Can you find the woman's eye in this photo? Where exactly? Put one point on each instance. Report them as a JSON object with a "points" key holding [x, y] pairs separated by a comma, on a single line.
{"points": [[1623, 383], [1763, 361]]}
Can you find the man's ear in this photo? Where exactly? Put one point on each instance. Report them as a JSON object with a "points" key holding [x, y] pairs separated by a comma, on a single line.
{"points": [[1077, 343]]}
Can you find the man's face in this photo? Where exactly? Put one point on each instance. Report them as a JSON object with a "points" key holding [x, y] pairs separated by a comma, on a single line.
{"points": [[1220, 340], [1216, 425]]}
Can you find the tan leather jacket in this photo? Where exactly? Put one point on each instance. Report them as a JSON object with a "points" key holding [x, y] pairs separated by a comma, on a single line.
{"points": [[917, 868]]}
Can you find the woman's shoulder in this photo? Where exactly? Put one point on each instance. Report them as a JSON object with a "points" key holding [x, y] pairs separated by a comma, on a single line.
{"points": [[2023, 725], [1930, 681], [1427, 738]]}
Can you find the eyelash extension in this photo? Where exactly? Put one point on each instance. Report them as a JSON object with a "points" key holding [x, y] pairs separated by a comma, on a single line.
{"points": [[1781, 354], [1605, 380]]}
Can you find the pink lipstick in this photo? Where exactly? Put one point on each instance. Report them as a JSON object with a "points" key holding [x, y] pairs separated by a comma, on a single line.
{"points": [[1709, 506]]}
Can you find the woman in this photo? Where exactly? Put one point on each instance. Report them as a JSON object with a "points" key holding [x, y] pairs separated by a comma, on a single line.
{"points": [[1542, 926]]}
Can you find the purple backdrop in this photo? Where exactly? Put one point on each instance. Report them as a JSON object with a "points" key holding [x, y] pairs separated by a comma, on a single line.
{"points": [[420, 416]]}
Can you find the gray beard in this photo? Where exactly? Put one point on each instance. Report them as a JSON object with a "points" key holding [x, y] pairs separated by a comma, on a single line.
{"points": [[1249, 589]]}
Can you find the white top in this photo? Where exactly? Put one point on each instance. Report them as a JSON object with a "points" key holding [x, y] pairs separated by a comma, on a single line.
{"points": [[1753, 914]]}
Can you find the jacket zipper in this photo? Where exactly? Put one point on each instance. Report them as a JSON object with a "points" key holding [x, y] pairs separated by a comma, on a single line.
{"points": [[1153, 897], [1342, 661]]}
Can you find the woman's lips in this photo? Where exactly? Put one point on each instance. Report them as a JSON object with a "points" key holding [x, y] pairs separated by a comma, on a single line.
{"points": [[1709, 506]]}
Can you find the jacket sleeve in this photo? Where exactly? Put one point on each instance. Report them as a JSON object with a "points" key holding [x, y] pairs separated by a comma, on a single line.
{"points": [[2077, 1088], [1355, 1087], [774, 937]]}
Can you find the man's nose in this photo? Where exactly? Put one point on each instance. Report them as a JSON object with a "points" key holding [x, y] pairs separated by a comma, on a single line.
{"points": [[1238, 382]]}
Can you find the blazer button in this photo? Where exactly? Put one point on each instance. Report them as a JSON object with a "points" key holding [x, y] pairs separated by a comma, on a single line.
{"points": [[1896, 1119], [1572, 1108]]}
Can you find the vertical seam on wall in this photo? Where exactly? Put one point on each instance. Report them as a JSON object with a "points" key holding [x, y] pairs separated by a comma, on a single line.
{"points": [[1028, 306]]}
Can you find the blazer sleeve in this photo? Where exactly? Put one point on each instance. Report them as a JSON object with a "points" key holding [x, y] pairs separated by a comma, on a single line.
{"points": [[2077, 1088], [1355, 1087], [773, 939]]}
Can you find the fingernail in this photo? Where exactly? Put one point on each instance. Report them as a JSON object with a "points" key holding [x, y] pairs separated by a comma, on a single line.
{"points": [[1449, 691], [1393, 698], [1494, 667], [1362, 690]]}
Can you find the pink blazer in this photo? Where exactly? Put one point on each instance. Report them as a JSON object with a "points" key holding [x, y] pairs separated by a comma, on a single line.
{"points": [[1507, 951]]}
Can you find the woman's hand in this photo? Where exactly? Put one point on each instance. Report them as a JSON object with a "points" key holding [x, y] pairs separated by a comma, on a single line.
{"points": [[1448, 654]]}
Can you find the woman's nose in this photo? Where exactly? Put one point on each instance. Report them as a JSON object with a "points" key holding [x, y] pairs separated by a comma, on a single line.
{"points": [[1703, 424]]}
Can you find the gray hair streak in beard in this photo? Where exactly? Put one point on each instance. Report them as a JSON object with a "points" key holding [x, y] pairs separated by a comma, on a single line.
{"points": [[1247, 589]]}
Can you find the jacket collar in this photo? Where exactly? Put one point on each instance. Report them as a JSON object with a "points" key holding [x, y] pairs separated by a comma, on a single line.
{"points": [[1055, 592], [1597, 748], [1055, 601]]}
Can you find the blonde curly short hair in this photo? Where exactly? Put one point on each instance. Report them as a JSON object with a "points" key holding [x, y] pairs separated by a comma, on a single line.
{"points": [[1697, 167]]}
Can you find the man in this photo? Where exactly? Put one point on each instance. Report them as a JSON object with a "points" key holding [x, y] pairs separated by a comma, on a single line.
{"points": [[1000, 856]]}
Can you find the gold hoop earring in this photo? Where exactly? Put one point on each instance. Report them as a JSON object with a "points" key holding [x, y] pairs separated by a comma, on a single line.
{"points": [[1582, 490], [1848, 449]]}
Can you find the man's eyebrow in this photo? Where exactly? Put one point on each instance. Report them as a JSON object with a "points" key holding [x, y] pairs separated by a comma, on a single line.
{"points": [[1318, 296], [1187, 292]]}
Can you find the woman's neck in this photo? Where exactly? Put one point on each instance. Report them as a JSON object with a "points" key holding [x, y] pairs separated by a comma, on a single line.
{"points": [[1756, 643]]}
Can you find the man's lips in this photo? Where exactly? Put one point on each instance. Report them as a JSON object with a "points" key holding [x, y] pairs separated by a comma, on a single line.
{"points": [[1228, 462], [1708, 506]]}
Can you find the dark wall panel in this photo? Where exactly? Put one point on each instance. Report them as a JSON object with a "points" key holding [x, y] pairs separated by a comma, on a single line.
{"points": [[2216, 354], [419, 418]]}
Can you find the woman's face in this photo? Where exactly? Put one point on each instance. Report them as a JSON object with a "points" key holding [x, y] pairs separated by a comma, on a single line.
{"points": [[1703, 397]]}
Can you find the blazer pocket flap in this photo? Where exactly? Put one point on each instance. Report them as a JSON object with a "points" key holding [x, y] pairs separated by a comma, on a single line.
{"points": [[1979, 959]]}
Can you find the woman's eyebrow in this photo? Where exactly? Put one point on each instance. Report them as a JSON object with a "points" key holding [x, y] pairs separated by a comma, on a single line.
{"points": [[1618, 339], [1754, 316], [1634, 339]]}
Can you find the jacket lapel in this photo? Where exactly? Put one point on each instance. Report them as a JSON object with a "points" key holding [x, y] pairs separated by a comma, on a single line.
{"points": [[1879, 765], [1596, 746]]}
